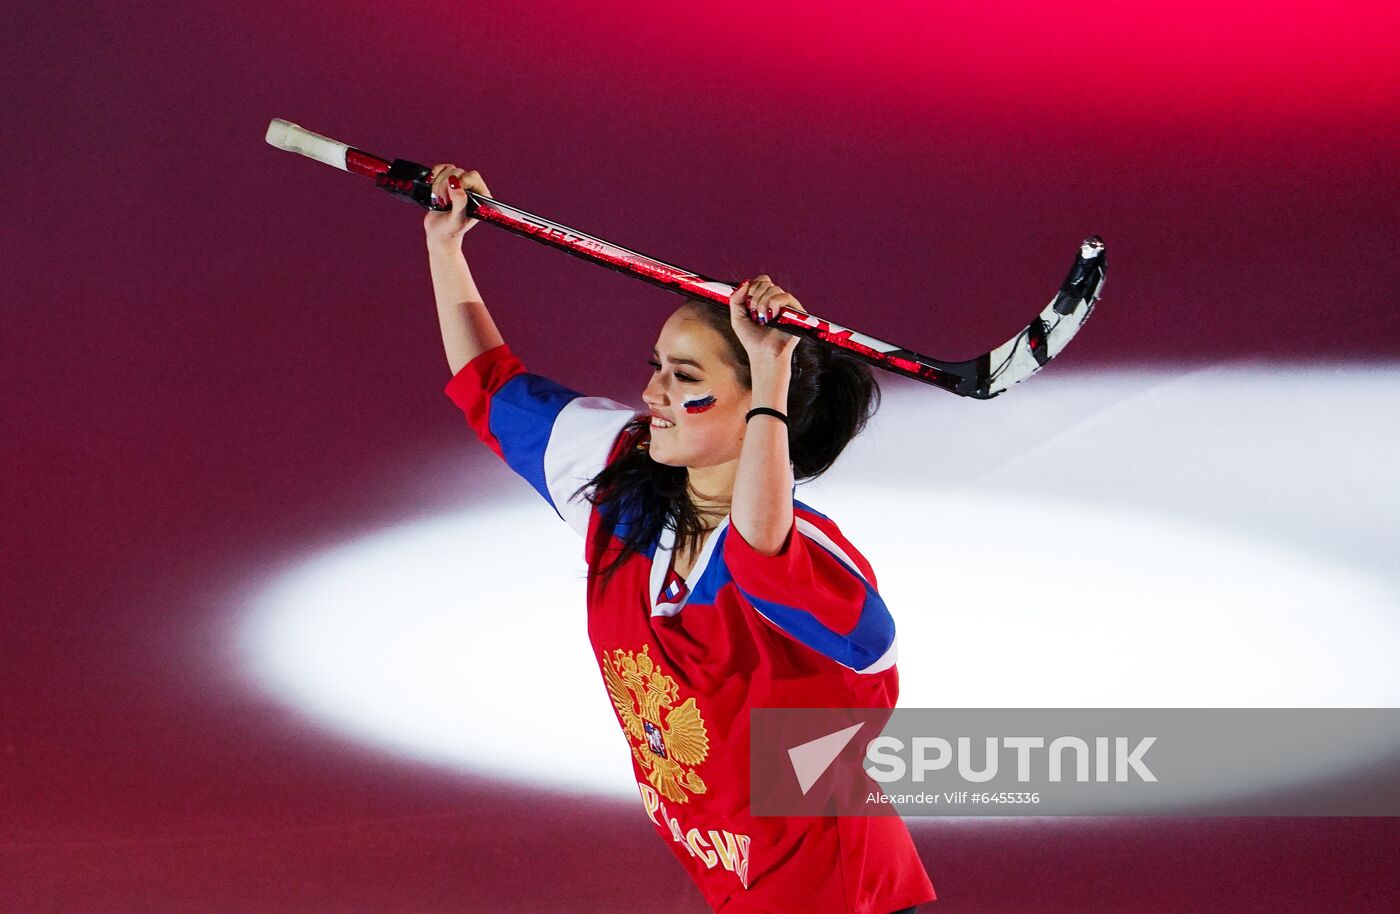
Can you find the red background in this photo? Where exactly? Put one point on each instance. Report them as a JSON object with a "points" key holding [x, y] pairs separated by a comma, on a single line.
{"points": [[216, 352]]}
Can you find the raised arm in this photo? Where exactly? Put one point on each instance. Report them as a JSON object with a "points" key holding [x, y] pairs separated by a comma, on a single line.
{"points": [[790, 562], [467, 328], [762, 502], [554, 437]]}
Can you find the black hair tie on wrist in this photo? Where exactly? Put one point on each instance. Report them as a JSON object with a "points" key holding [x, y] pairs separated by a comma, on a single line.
{"points": [[765, 411]]}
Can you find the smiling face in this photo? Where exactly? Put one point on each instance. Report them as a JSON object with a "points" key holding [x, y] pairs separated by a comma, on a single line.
{"points": [[696, 398]]}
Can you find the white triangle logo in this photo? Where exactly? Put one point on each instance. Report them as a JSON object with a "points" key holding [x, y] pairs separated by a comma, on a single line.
{"points": [[811, 759]]}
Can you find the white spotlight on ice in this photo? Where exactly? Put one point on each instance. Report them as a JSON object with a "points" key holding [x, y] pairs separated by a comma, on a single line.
{"points": [[1125, 539]]}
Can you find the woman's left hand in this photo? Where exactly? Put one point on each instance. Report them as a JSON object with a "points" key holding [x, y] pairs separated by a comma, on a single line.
{"points": [[751, 306]]}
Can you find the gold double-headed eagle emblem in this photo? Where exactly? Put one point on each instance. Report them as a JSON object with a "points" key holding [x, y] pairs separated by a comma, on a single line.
{"points": [[668, 740]]}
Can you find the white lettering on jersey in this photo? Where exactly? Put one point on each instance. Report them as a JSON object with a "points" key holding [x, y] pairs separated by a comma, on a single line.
{"points": [[723, 847]]}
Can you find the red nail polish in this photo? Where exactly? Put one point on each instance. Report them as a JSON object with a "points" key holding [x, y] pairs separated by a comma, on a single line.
{"points": [[452, 179]]}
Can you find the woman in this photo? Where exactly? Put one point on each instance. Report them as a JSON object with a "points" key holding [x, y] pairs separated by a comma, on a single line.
{"points": [[710, 590]]}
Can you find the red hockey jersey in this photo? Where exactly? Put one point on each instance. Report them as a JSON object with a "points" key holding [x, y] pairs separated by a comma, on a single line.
{"points": [[683, 659]]}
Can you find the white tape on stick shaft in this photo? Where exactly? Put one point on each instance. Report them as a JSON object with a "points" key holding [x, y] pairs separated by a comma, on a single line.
{"points": [[289, 136]]}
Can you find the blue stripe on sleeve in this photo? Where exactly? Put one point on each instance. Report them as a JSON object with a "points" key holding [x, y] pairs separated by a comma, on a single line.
{"points": [[522, 417], [865, 644]]}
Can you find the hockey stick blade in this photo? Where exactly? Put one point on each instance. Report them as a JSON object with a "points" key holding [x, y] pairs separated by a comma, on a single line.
{"points": [[983, 377], [1046, 337]]}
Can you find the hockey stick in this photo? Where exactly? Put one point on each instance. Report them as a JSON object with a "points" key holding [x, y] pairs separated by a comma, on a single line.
{"points": [[983, 377]]}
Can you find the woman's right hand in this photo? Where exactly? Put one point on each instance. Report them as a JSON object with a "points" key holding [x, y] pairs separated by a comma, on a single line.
{"points": [[449, 227]]}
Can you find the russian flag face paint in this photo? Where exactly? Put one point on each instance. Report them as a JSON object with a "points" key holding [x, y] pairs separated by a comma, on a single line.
{"points": [[700, 404]]}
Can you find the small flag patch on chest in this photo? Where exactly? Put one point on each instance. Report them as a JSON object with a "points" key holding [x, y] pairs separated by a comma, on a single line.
{"points": [[674, 589]]}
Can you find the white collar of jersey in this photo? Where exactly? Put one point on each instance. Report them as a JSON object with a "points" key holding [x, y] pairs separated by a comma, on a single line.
{"points": [[661, 561]]}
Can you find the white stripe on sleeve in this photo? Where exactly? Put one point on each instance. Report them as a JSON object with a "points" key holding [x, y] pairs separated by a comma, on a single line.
{"points": [[583, 434]]}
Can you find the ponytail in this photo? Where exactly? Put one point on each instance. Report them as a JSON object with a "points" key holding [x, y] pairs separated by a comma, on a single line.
{"points": [[830, 399]]}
